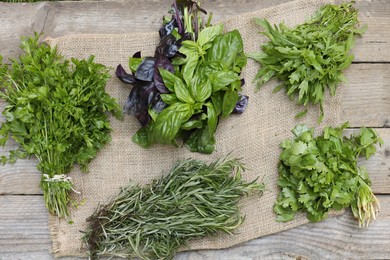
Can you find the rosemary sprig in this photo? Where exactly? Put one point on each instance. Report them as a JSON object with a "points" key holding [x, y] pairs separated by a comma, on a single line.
{"points": [[194, 200]]}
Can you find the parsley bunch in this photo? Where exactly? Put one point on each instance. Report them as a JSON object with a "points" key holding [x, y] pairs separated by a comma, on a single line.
{"points": [[309, 58], [57, 111], [319, 174]]}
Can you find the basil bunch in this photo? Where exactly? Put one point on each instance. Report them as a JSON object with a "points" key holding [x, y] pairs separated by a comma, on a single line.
{"points": [[193, 80]]}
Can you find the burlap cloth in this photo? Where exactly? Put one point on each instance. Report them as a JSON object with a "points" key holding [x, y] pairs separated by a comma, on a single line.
{"points": [[254, 135]]}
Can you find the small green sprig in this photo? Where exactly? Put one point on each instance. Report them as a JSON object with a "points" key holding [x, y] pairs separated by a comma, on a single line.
{"points": [[194, 200], [320, 174], [58, 111]]}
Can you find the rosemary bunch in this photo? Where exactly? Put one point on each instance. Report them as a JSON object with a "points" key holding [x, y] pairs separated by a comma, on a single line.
{"points": [[194, 200]]}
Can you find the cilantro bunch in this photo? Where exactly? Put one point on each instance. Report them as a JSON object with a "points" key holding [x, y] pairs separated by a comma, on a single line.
{"points": [[58, 112], [192, 81], [309, 58], [320, 174]]}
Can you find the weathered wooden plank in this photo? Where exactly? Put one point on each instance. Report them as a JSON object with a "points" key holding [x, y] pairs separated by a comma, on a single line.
{"points": [[25, 235], [62, 18], [378, 165], [366, 95], [374, 45]]}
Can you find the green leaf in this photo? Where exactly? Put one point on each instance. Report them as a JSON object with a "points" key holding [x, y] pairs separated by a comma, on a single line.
{"points": [[168, 78], [134, 63], [230, 99], [169, 98], [221, 79], [182, 92], [226, 47], [201, 91], [168, 123], [201, 141], [208, 34], [212, 119], [141, 137]]}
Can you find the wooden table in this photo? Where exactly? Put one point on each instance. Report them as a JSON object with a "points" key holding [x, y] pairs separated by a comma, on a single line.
{"points": [[24, 232]]}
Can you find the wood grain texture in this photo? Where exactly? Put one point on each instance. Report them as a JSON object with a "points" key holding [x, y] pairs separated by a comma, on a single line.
{"points": [[366, 95], [61, 18], [25, 235], [24, 230]]}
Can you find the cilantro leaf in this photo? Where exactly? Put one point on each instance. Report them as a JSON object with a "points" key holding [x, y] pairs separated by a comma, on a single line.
{"points": [[318, 174]]}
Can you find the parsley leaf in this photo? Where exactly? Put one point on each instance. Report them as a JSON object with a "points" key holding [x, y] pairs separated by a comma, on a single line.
{"points": [[58, 111]]}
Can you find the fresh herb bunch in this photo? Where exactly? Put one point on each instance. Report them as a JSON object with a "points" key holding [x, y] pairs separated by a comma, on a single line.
{"points": [[192, 80], [319, 174], [309, 58], [57, 111], [152, 222]]}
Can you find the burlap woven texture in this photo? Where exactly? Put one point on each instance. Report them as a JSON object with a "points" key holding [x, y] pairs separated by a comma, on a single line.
{"points": [[255, 135]]}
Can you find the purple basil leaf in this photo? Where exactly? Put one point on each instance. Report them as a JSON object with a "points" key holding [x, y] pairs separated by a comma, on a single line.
{"points": [[165, 63], [141, 96], [162, 48], [145, 70], [170, 50], [144, 118], [123, 75], [137, 54], [241, 105], [159, 104], [167, 28], [242, 82]]}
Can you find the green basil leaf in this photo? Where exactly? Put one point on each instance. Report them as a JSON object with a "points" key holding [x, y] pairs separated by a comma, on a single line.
{"points": [[240, 62], [201, 141], [217, 99], [169, 98], [208, 34], [194, 123], [212, 119], [134, 63], [141, 137], [168, 78], [201, 90], [168, 123], [189, 68], [221, 79], [230, 99], [226, 47], [190, 46], [182, 92]]}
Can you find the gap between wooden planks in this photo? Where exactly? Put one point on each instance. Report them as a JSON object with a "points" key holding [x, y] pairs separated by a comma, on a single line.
{"points": [[25, 235], [61, 18]]}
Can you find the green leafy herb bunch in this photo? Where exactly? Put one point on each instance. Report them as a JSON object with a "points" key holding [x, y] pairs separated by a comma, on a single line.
{"points": [[320, 174], [309, 58], [57, 111]]}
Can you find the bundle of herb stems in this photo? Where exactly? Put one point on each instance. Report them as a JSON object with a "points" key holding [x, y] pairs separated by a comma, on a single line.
{"points": [[57, 111], [152, 222]]}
